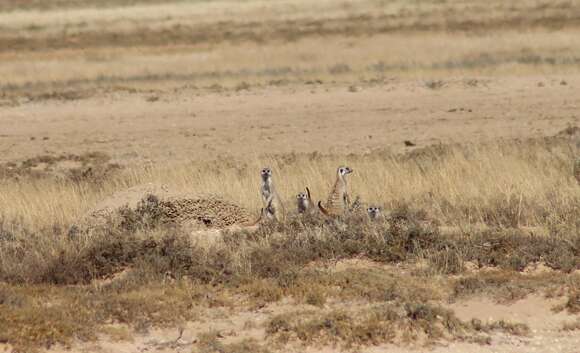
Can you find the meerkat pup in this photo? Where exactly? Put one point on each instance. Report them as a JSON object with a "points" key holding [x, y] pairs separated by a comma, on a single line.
{"points": [[273, 207], [338, 201], [304, 201], [374, 213]]}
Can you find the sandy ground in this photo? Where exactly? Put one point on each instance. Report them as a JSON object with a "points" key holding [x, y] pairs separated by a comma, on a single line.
{"points": [[545, 326], [194, 124]]}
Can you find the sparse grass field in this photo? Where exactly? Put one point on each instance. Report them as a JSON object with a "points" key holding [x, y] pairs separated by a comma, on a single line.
{"points": [[460, 119]]}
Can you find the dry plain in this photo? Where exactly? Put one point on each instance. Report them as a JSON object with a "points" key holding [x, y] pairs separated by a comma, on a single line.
{"points": [[460, 119]]}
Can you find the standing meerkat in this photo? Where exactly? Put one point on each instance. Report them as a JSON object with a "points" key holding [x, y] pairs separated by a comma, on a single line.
{"points": [[304, 201], [338, 201], [273, 207], [374, 213]]}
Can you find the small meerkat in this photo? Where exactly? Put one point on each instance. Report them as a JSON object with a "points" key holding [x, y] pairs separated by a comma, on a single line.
{"points": [[273, 207], [304, 201], [338, 201], [374, 213]]}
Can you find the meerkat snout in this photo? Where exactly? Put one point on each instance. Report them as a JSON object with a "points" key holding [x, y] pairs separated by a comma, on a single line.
{"points": [[374, 213]]}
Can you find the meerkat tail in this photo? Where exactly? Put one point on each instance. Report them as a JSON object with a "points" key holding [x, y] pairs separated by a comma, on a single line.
{"points": [[322, 209], [251, 224], [308, 193]]}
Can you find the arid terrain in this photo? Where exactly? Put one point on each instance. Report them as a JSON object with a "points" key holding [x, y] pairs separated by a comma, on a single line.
{"points": [[133, 132]]}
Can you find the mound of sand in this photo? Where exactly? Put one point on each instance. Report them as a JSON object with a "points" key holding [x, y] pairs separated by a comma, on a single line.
{"points": [[157, 202]]}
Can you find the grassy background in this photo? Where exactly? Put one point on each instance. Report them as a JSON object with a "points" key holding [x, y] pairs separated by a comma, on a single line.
{"points": [[228, 42], [505, 184]]}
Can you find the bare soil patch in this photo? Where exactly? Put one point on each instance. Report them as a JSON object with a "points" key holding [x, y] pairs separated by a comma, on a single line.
{"points": [[306, 118]]}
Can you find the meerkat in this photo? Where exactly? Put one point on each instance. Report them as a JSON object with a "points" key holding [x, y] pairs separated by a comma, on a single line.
{"points": [[304, 201], [338, 201], [273, 207], [374, 213]]}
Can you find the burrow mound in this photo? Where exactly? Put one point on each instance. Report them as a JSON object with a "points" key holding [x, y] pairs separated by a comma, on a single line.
{"points": [[155, 204], [210, 212]]}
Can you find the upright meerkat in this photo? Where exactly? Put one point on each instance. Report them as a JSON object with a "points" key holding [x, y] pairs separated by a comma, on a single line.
{"points": [[304, 201], [338, 201], [374, 213], [273, 207]]}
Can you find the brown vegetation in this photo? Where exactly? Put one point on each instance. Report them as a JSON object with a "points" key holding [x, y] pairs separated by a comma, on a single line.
{"points": [[133, 132], [251, 270]]}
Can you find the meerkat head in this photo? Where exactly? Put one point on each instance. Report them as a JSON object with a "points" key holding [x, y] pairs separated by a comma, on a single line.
{"points": [[302, 196], [343, 171], [374, 212], [266, 173]]}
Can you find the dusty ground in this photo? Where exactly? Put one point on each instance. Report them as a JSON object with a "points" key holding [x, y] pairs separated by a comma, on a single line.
{"points": [[533, 311], [302, 118], [152, 82], [546, 334]]}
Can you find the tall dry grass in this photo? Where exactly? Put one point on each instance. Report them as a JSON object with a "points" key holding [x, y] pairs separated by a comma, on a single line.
{"points": [[506, 184]]}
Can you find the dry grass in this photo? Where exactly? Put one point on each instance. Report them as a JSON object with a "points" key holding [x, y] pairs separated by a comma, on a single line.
{"points": [[169, 279], [402, 323], [508, 286], [506, 184], [48, 53], [209, 343], [572, 305], [493, 193]]}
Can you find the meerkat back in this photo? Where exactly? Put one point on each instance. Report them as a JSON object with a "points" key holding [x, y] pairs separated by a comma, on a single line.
{"points": [[338, 201]]}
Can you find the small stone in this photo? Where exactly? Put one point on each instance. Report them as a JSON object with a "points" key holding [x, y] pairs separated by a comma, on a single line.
{"points": [[354, 88]]}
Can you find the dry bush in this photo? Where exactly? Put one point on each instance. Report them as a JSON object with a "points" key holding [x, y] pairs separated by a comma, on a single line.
{"points": [[169, 275], [373, 285], [572, 305], [43, 316], [209, 343], [516, 329], [508, 286], [371, 326], [274, 250], [515, 249], [403, 322]]}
